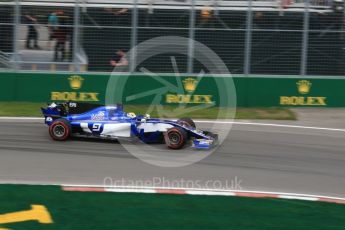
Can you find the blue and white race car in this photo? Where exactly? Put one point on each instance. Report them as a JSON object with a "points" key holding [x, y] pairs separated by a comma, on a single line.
{"points": [[111, 122]]}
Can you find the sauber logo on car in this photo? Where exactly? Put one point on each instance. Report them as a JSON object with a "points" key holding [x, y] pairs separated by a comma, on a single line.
{"points": [[98, 116], [76, 83]]}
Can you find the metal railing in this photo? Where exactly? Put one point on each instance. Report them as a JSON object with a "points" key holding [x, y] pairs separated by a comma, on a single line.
{"points": [[5, 61]]}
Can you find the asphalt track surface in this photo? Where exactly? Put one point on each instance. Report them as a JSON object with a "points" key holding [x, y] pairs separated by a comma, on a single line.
{"points": [[261, 158]]}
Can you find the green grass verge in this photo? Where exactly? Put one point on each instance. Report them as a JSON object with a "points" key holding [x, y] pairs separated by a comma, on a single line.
{"points": [[92, 210], [33, 110]]}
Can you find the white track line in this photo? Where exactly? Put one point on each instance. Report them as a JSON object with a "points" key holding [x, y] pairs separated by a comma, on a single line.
{"points": [[299, 197], [270, 124], [21, 118]]}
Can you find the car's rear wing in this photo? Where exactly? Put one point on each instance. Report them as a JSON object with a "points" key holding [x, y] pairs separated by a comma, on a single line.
{"points": [[54, 110], [80, 107], [57, 110], [67, 108]]}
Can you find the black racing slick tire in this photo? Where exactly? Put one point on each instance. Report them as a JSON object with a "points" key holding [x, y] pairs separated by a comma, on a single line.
{"points": [[60, 130], [187, 121], [176, 138]]}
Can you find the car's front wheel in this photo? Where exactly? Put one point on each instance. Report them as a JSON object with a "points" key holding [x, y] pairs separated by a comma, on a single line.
{"points": [[60, 130], [187, 122], [176, 138]]}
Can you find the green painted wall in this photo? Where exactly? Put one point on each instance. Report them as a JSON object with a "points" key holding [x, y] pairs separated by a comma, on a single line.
{"points": [[250, 91]]}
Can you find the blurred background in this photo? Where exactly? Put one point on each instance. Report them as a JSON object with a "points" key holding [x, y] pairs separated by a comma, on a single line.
{"points": [[281, 37]]}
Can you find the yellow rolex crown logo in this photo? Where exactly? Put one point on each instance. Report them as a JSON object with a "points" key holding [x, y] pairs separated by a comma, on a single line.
{"points": [[190, 84], [303, 86], [75, 81]]}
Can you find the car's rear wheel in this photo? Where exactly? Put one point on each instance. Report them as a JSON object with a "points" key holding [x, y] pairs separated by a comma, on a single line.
{"points": [[187, 122], [60, 130], [176, 138]]}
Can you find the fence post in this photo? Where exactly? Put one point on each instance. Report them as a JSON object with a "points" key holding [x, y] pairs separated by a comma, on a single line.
{"points": [[248, 40], [134, 37], [16, 24], [304, 52], [76, 26], [191, 38]]}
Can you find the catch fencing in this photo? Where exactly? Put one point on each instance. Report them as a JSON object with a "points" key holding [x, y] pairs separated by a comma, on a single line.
{"points": [[265, 37]]}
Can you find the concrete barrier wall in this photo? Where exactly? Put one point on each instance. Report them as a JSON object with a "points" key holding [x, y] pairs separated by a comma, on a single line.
{"points": [[250, 91]]}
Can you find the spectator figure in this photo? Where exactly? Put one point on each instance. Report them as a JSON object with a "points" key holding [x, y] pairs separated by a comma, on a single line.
{"points": [[206, 14], [120, 59], [70, 37], [206, 17], [32, 35], [61, 37], [53, 22]]}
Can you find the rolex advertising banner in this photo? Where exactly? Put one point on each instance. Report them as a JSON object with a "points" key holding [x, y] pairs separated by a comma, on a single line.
{"points": [[37, 87], [295, 92], [171, 90]]}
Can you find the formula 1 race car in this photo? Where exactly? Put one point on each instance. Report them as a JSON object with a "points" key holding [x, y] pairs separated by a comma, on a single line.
{"points": [[111, 122]]}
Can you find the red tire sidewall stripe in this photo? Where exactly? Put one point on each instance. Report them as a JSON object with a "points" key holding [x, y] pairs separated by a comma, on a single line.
{"points": [[179, 134], [62, 124]]}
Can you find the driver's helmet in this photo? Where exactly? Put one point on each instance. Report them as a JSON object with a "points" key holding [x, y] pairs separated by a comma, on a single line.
{"points": [[131, 115], [52, 105]]}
